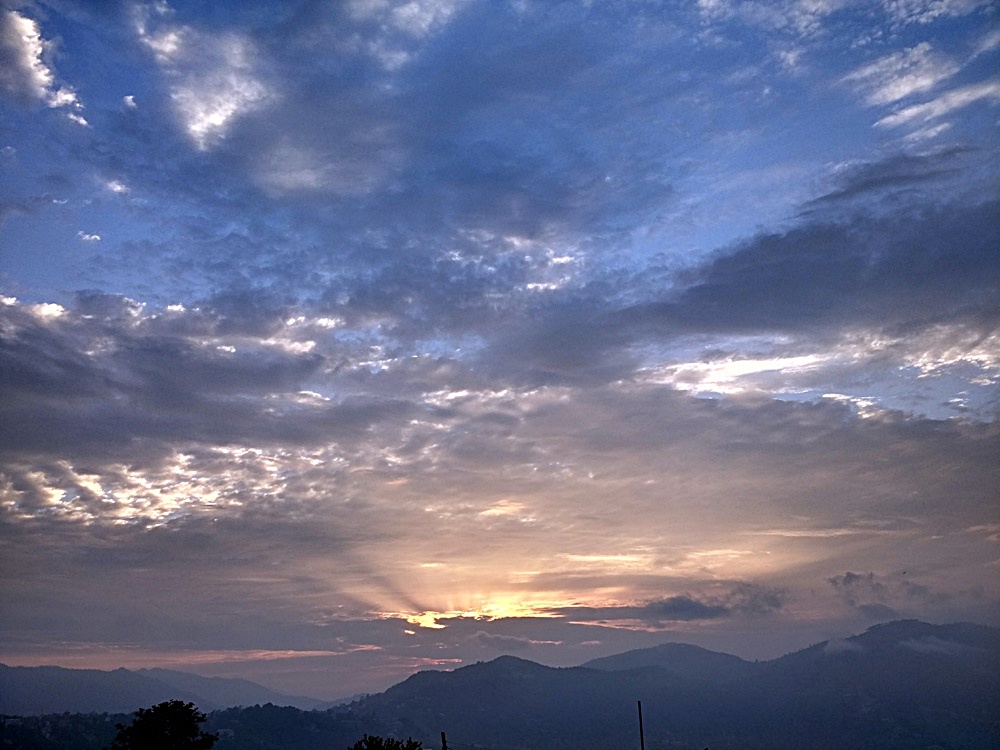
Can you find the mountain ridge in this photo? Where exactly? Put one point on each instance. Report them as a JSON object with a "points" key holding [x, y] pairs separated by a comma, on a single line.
{"points": [[897, 686], [901, 685], [34, 691]]}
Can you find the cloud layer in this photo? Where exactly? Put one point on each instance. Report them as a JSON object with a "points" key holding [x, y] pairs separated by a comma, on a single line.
{"points": [[356, 338]]}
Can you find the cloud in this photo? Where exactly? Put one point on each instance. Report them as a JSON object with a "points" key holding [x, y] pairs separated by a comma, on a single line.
{"points": [[153, 377], [925, 11], [943, 105], [829, 275], [903, 172], [24, 207], [902, 74], [25, 73], [741, 599], [880, 597], [933, 645], [215, 81], [505, 643], [856, 262], [803, 17], [409, 299], [841, 647]]}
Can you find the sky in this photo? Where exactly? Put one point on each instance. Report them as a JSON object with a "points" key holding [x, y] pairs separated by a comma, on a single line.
{"points": [[344, 339]]}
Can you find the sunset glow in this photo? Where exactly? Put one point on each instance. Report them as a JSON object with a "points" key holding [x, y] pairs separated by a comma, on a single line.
{"points": [[340, 340]]}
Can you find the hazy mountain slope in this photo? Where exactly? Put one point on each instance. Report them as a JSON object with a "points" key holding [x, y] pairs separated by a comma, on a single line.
{"points": [[224, 692], [907, 679], [27, 691]]}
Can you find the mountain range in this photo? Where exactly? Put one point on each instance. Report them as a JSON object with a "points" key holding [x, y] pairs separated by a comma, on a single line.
{"points": [[899, 686], [30, 691]]}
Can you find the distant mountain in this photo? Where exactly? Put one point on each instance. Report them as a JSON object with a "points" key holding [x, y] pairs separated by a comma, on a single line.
{"points": [[222, 692], [32, 691], [681, 659], [902, 685], [510, 702], [897, 686]]}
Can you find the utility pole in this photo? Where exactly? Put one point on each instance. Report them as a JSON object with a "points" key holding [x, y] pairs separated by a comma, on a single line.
{"points": [[444, 742], [642, 739]]}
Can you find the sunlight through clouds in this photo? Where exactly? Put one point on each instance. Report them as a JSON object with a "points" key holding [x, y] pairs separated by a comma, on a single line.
{"points": [[398, 334]]}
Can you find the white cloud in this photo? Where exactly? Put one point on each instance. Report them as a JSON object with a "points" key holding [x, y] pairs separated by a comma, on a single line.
{"points": [[864, 406], [25, 75], [928, 133], [731, 375], [925, 11], [421, 17], [989, 42], [902, 74], [944, 104], [215, 78], [417, 17], [88, 237], [804, 17], [413, 20], [943, 347], [287, 166]]}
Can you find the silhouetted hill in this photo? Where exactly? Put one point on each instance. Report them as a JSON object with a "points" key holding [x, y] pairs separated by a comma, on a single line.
{"points": [[27, 691]]}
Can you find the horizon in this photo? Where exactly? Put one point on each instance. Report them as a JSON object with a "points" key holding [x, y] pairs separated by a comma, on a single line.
{"points": [[344, 339]]}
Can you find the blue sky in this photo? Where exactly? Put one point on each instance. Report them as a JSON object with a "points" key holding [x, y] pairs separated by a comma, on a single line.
{"points": [[342, 339]]}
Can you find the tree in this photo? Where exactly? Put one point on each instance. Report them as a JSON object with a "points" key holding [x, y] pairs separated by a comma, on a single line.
{"points": [[374, 742], [171, 725]]}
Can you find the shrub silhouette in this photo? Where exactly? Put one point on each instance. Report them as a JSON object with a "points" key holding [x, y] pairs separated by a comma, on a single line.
{"points": [[171, 725], [374, 742]]}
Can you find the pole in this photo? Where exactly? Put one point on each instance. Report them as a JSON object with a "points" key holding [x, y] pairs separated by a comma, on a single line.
{"points": [[444, 742], [642, 739]]}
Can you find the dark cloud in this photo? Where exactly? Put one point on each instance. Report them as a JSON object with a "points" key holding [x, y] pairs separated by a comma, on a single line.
{"points": [[898, 175], [563, 343], [893, 273], [743, 598], [106, 375], [881, 597], [900, 275]]}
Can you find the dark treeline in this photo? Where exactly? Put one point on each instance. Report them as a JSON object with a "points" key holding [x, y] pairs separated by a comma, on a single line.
{"points": [[265, 727]]}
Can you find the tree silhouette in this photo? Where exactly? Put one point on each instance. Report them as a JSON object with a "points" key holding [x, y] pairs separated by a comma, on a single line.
{"points": [[171, 725], [374, 742]]}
